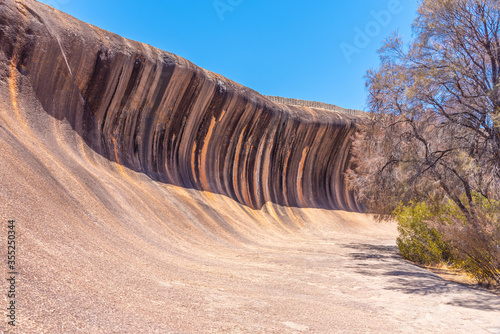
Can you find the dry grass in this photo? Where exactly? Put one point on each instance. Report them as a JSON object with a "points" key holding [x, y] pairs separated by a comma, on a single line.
{"points": [[457, 275]]}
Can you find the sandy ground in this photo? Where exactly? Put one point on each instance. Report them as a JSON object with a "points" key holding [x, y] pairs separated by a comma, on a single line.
{"points": [[102, 249]]}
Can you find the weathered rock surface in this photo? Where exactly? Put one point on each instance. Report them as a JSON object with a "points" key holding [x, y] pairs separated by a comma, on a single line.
{"points": [[159, 114], [132, 176]]}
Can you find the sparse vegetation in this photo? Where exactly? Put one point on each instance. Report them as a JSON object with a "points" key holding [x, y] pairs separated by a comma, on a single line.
{"points": [[418, 241], [432, 144], [443, 235]]}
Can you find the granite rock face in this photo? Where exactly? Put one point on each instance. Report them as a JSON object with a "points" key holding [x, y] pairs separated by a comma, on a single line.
{"points": [[152, 196], [159, 114]]}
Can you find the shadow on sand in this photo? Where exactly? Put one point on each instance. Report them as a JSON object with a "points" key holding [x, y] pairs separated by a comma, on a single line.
{"points": [[377, 260]]}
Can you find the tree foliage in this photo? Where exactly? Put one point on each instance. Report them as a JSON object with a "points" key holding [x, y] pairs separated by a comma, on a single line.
{"points": [[434, 130]]}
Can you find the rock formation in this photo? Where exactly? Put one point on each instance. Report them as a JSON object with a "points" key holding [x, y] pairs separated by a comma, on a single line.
{"points": [[159, 114], [152, 196]]}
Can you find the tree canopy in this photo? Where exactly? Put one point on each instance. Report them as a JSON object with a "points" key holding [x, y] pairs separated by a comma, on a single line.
{"points": [[436, 124], [434, 130]]}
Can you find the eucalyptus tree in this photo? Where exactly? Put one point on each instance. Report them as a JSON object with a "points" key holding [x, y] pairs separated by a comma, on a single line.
{"points": [[434, 130]]}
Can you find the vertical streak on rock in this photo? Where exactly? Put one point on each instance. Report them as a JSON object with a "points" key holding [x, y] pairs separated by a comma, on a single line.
{"points": [[13, 85], [167, 69], [258, 179], [193, 162], [203, 156], [236, 163], [300, 192], [266, 167]]}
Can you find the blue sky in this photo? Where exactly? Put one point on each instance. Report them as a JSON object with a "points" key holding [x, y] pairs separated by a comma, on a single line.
{"points": [[316, 51]]}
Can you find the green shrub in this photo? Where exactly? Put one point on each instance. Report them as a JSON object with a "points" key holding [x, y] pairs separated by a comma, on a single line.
{"points": [[417, 241], [429, 236]]}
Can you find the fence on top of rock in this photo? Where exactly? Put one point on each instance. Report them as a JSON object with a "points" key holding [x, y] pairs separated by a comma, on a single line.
{"points": [[314, 104]]}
